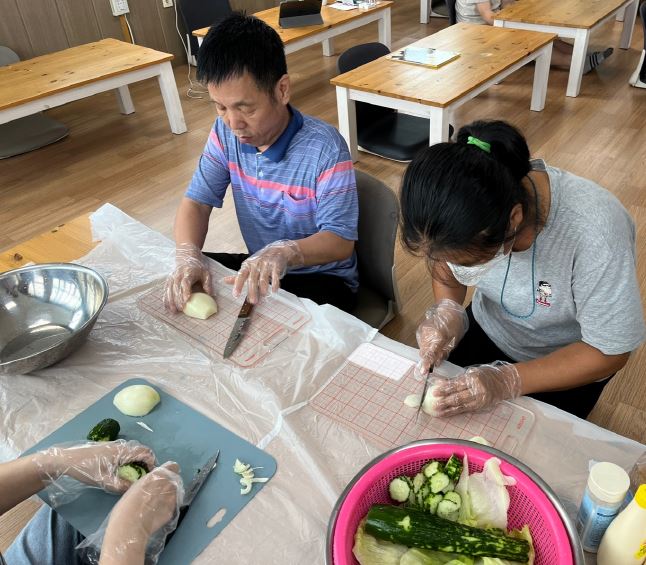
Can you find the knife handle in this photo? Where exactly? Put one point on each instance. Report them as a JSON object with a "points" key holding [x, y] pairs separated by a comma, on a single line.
{"points": [[245, 310]]}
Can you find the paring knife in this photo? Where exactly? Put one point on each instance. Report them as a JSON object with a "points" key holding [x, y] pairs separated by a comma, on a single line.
{"points": [[428, 379], [193, 488], [238, 328]]}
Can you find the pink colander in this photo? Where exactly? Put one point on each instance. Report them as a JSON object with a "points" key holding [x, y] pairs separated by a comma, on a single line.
{"points": [[532, 501]]}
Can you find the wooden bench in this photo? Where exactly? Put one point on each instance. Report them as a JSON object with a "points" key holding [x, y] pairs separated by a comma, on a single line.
{"points": [[58, 78]]}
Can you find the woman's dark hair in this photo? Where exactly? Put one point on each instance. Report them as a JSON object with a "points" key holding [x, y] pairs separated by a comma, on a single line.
{"points": [[458, 197], [240, 44]]}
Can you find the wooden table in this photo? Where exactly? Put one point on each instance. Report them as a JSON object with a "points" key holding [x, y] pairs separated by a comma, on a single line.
{"points": [[574, 19], [62, 244], [335, 22], [487, 55], [58, 78], [280, 522]]}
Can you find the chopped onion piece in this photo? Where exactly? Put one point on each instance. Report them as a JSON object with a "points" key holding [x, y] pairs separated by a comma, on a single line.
{"points": [[247, 477], [144, 426]]}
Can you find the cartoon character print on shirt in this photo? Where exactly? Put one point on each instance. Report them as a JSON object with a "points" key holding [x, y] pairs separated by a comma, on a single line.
{"points": [[544, 293]]}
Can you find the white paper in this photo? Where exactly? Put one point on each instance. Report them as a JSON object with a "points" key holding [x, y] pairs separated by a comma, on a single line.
{"points": [[381, 361], [342, 7]]}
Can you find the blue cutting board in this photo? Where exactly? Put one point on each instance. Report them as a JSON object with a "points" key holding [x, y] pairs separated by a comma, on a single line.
{"points": [[180, 434]]}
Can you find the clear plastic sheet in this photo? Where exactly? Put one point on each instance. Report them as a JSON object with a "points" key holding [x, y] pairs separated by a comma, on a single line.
{"points": [[267, 405]]}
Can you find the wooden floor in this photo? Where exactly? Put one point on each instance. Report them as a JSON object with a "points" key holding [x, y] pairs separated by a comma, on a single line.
{"points": [[135, 163]]}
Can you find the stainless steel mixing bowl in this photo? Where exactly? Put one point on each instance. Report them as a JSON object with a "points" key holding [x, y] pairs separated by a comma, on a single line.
{"points": [[46, 312]]}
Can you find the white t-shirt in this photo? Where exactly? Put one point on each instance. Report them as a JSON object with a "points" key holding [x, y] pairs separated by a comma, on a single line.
{"points": [[585, 285], [467, 10]]}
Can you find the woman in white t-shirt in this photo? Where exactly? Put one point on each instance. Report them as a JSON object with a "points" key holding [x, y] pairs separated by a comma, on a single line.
{"points": [[557, 308], [483, 12]]}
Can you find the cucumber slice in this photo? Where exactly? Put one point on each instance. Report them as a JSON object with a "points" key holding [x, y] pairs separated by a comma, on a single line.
{"points": [[446, 509], [399, 489], [439, 481], [431, 502], [454, 497]]}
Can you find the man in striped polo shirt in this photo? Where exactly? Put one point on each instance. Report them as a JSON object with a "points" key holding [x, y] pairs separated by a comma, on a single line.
{"points": [[291, 176]]}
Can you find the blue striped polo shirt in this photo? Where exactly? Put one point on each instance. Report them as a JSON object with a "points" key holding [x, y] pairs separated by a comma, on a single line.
{"points": [[302, 184]]}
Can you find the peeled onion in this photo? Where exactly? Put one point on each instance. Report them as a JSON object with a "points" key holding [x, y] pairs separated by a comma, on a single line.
{"points": [[136, 400], [201, 306]]}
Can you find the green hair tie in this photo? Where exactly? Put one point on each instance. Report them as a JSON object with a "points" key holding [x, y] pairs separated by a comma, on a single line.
{"points": [[486, 147]]}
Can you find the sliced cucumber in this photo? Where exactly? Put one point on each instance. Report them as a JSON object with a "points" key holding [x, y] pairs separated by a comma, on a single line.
{"points": [[439, 481], [454, 497], [431, 468], [399, 489], [431, 502], [447, 509], [418, 482]]}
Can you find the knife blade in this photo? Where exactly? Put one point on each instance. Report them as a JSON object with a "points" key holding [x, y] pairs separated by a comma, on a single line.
{"points": [[238, 330], [193, 488], [428, 378]]}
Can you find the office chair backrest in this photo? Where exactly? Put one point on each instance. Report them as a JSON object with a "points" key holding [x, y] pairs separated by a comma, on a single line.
{"points": [[197, 14], [7, 56], [453, 17], [378, 221], [353, 58]]}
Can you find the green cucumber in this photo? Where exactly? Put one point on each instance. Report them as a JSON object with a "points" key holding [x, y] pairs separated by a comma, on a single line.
{"points": [[105, 430], [427, 531], [453, 468]]}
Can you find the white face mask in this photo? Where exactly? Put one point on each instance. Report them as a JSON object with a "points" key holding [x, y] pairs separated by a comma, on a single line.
{"points": [[471, 275]]}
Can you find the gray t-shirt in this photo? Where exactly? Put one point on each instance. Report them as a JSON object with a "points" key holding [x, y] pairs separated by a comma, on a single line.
{"points": [[585, 282], [467, 10]]}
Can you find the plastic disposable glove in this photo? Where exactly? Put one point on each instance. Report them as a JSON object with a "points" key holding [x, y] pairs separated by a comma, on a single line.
{"points": [[190, 267], [67, 470], [479, 388], [444, 326], [142, 519], [264, 269]]}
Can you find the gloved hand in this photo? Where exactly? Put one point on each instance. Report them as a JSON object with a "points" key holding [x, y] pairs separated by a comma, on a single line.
{"points": [[479, 388], [190, 268], [444, 326], [266, 267], [92, 463], [141, 520]]}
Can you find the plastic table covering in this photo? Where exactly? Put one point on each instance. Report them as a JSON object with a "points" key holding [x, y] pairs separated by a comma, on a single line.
{"points": [[266, 404]]}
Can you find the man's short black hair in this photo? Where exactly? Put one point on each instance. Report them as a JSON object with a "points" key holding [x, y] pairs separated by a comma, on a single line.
{"points": [[242, 43]]}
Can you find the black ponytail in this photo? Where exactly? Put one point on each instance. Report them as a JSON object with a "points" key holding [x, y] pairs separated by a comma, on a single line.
{"points": [[459, 197]]}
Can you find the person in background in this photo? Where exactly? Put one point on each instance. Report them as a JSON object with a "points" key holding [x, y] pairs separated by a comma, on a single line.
{"points": [[556, 310], [483, 12], [291, 178], [147, 506]]}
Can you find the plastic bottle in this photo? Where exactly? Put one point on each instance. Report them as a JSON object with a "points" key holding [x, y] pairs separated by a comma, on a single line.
{"points": [[602, 500], [625, 539]]}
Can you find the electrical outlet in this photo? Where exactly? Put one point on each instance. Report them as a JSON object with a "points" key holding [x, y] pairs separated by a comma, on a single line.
{"points": [[167, 3], [119, 7]]}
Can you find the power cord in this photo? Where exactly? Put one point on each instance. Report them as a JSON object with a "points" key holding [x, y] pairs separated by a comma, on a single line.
{"points": [[132, 35], [195, 89]]}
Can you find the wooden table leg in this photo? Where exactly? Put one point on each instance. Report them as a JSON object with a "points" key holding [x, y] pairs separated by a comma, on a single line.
{"points": [[439, 125], [346, 110], [328, 47], [384, 28], [541, 76], [423, 11], [171, 98], [579, 54], [124, 100], [630, 12]]}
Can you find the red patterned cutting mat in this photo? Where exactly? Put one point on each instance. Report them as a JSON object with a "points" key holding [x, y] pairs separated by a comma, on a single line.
{"points": [[367, 395], [271, 322]]}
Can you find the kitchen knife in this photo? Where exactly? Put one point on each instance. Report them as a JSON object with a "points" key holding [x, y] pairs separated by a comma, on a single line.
{"points": [[238, 328]]}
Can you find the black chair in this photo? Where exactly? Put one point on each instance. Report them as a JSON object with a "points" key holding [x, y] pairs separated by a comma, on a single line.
{"points": [[197, 14], [638, 78], [453, 17], [377, 298], [384, 131]]}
